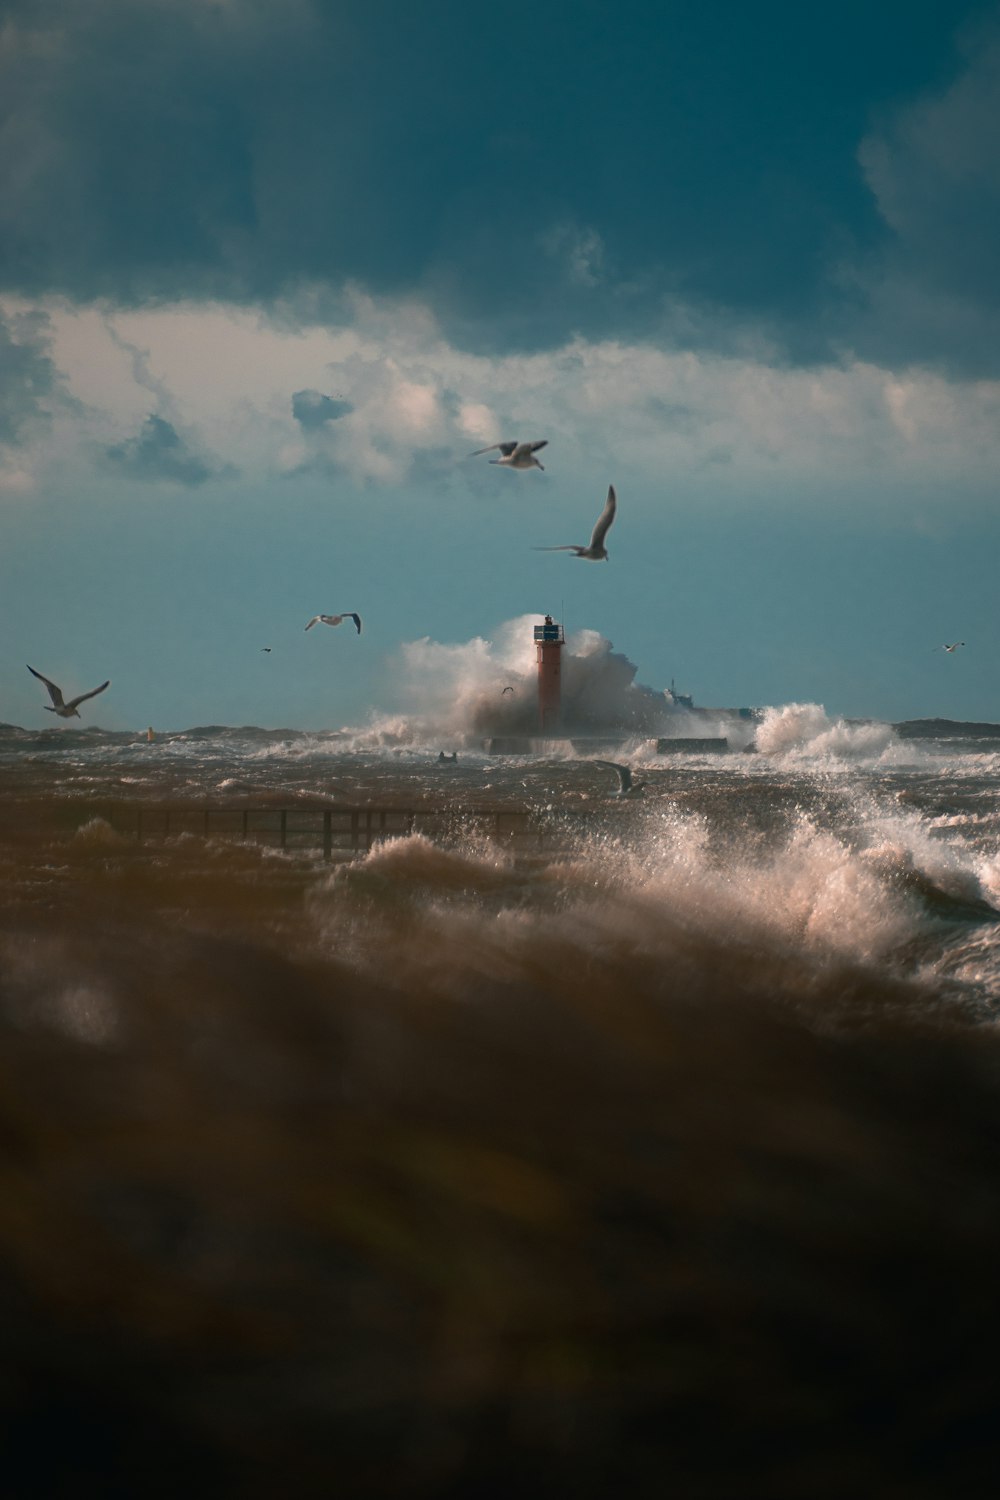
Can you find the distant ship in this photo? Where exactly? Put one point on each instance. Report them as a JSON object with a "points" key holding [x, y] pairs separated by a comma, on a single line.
{"points": [[686, 701], [676, 699]]}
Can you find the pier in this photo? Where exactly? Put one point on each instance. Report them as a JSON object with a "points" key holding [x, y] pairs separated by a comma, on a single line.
{"points": [[713, 745], [600, 744], [339, 832]]}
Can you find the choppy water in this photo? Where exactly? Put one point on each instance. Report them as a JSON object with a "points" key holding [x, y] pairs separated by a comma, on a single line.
{"points": [[455, 1166]]}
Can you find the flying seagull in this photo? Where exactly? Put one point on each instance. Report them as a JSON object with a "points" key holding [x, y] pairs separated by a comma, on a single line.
{"points": [[335, 620], [63, 709], [507, 690], [597, 551], [515, 455], [626, 786], [266, 648], [953, 647]]}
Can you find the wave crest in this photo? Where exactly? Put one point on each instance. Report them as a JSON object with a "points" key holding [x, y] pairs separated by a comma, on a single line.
{"points": [[804, 731]]}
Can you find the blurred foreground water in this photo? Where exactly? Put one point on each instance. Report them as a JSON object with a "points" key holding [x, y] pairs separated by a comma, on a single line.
{"points": [[659, 1159]]}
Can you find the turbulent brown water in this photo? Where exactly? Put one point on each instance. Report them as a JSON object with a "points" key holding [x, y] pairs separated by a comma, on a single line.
{"points": [[658, 1152]]}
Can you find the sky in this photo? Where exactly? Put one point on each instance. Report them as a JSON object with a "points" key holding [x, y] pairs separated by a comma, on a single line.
{"points": [[270, 272]]}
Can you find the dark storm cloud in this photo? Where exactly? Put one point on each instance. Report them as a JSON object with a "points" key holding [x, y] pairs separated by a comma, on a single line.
{"points": [[533, 171], [27, 375], [311, 409], [160, 453], [933, 293]]}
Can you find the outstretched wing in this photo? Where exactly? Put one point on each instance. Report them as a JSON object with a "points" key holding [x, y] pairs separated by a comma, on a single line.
{"points": [[75, 702], [605, 519], [505, 448], [314, 621], [624, 773], [570, 548], [356, 618], [54, 693]]}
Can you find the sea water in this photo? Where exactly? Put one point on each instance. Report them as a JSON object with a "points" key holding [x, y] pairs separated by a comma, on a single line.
{"points": [[666, 1146]]}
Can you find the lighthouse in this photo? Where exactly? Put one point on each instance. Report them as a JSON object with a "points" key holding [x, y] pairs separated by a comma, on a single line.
{"points": [[548, 647]]}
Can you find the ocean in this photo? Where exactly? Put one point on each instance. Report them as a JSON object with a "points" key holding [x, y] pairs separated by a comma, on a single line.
{"points": [[626, 1146]]}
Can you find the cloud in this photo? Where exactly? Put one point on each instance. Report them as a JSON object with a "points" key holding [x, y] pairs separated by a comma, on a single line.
{"points": [[398, 425], [933, 294], [312, 409], [419, 406], [660, 419], [160, 454], [28, 379], [581, 252], [250, 154]]}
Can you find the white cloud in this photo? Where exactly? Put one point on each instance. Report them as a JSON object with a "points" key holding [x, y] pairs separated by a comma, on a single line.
{"points": [[15, 479], [412, 404]]}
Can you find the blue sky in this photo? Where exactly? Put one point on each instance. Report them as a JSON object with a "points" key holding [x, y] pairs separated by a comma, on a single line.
{"points": [[269, 272]]}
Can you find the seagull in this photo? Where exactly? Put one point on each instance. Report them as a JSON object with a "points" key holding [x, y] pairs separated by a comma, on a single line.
{"points": [[335, 620], [597, 551], [953, 647], [515, 455], [626, 786], [507, 690], [266, 648], [63, 709]]}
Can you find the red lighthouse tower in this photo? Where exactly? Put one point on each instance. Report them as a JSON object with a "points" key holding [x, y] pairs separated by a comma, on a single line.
{"points": [[548, 646]]}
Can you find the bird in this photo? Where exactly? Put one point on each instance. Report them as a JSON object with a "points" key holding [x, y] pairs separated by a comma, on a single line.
{"points": [[953, 647], [626, 786], [596, 551], [515, 455], [267, 649], [335, 620], [59, 706], [506, 690]]}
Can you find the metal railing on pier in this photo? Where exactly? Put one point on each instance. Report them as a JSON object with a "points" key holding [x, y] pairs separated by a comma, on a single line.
{"points": [[340, 832]]}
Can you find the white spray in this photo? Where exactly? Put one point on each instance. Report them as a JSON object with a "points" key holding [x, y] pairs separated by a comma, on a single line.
{"points": [[464, 691]]}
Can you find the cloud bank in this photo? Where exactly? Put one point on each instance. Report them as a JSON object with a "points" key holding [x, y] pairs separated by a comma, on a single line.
{"points": [[390, 402], [178, 150]]}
